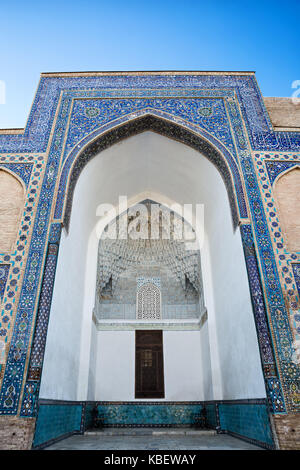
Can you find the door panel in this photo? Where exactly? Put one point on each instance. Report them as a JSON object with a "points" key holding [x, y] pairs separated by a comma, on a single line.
{"points": [[149, 374]]}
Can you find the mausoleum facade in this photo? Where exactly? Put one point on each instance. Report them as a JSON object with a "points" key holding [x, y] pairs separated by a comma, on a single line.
{"points": [[150, 258]]}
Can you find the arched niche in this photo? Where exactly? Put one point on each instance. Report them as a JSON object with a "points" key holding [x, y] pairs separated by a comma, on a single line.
{"points": [[152, 166], [11, 205], [287, 196]]}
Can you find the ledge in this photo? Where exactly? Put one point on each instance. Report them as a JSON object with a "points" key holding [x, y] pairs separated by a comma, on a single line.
{"points": [[144, 72], [129, 325]]}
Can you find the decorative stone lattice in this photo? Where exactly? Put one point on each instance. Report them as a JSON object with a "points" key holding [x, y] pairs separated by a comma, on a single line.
{"points": [[148, 301]]}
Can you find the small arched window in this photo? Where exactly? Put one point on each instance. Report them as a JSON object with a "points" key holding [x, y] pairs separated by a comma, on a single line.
{"points": [[148, 302], [287, 195], [11, 206]]}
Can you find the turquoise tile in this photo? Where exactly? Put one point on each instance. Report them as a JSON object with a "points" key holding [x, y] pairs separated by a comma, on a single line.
{"points": [[145, 414], [249, 420], [56, 420]]}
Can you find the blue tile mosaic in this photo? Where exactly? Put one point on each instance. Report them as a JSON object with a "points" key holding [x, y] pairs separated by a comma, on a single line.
{"points": [[35, 137], [23, 170], [4, 270], [296, 271], [275, 168]]}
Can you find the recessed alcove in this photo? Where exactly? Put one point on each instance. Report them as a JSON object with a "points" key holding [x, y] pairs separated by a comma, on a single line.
{"points": [[211, 354], [11, 206], [153, 277], [287, 195]]}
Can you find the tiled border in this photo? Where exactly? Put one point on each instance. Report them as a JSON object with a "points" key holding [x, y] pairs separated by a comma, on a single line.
{"points": [[75, 163], [37, 131], [269, 167]]}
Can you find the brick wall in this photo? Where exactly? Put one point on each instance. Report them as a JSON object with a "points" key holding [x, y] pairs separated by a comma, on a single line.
{"points": [[16, 433], [283, 112], [288, 431], [11, 206], [287, 195]]}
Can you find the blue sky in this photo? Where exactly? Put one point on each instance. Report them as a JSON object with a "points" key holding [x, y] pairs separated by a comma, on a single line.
{"points": [[90, 35]]}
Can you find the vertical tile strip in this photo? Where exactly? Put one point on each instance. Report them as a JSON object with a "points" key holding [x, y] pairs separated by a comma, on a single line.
{"points": [[31, 391]]}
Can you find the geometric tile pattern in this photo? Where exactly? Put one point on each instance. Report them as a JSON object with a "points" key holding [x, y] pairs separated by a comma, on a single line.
{"points": [[296, 271], [4, 269], [275, 167], [221, 115], [284, 312], [272, 381], [23, 170], [260, 131], [30, 169], [205, 143], [39, 340]]}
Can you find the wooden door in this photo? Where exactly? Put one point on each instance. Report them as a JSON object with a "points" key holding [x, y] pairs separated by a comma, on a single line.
{"points": [[149, 366]]}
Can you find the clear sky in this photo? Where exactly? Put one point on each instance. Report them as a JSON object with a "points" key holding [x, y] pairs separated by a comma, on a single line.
{"points": [[94, 35]]}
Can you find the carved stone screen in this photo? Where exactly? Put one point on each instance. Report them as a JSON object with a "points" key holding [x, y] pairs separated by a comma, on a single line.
{"points": [[148, 302]]}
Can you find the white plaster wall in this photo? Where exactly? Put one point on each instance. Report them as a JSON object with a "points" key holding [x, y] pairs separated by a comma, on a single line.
{"points": [[239, 360], [183, 369], [92, 365], [165, 170], [116, 366], [205, 364]]}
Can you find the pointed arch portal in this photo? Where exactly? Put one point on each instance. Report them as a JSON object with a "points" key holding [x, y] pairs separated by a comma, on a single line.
{"points": [[150, 158], [170, 137], [79, 157]]}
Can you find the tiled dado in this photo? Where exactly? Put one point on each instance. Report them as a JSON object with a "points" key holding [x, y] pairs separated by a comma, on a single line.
{"points": [[152, 414], [245, 419], [57, 420]]}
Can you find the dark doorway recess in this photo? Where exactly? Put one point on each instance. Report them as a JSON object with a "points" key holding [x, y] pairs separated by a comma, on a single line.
{"points": [[149, 365]]}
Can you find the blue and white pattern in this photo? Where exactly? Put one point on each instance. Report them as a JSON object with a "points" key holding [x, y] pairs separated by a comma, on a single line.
{"points": [[226, 117]]}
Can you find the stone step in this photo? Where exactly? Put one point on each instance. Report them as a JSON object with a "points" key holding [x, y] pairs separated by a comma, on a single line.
{"points": [[150, 432]]}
